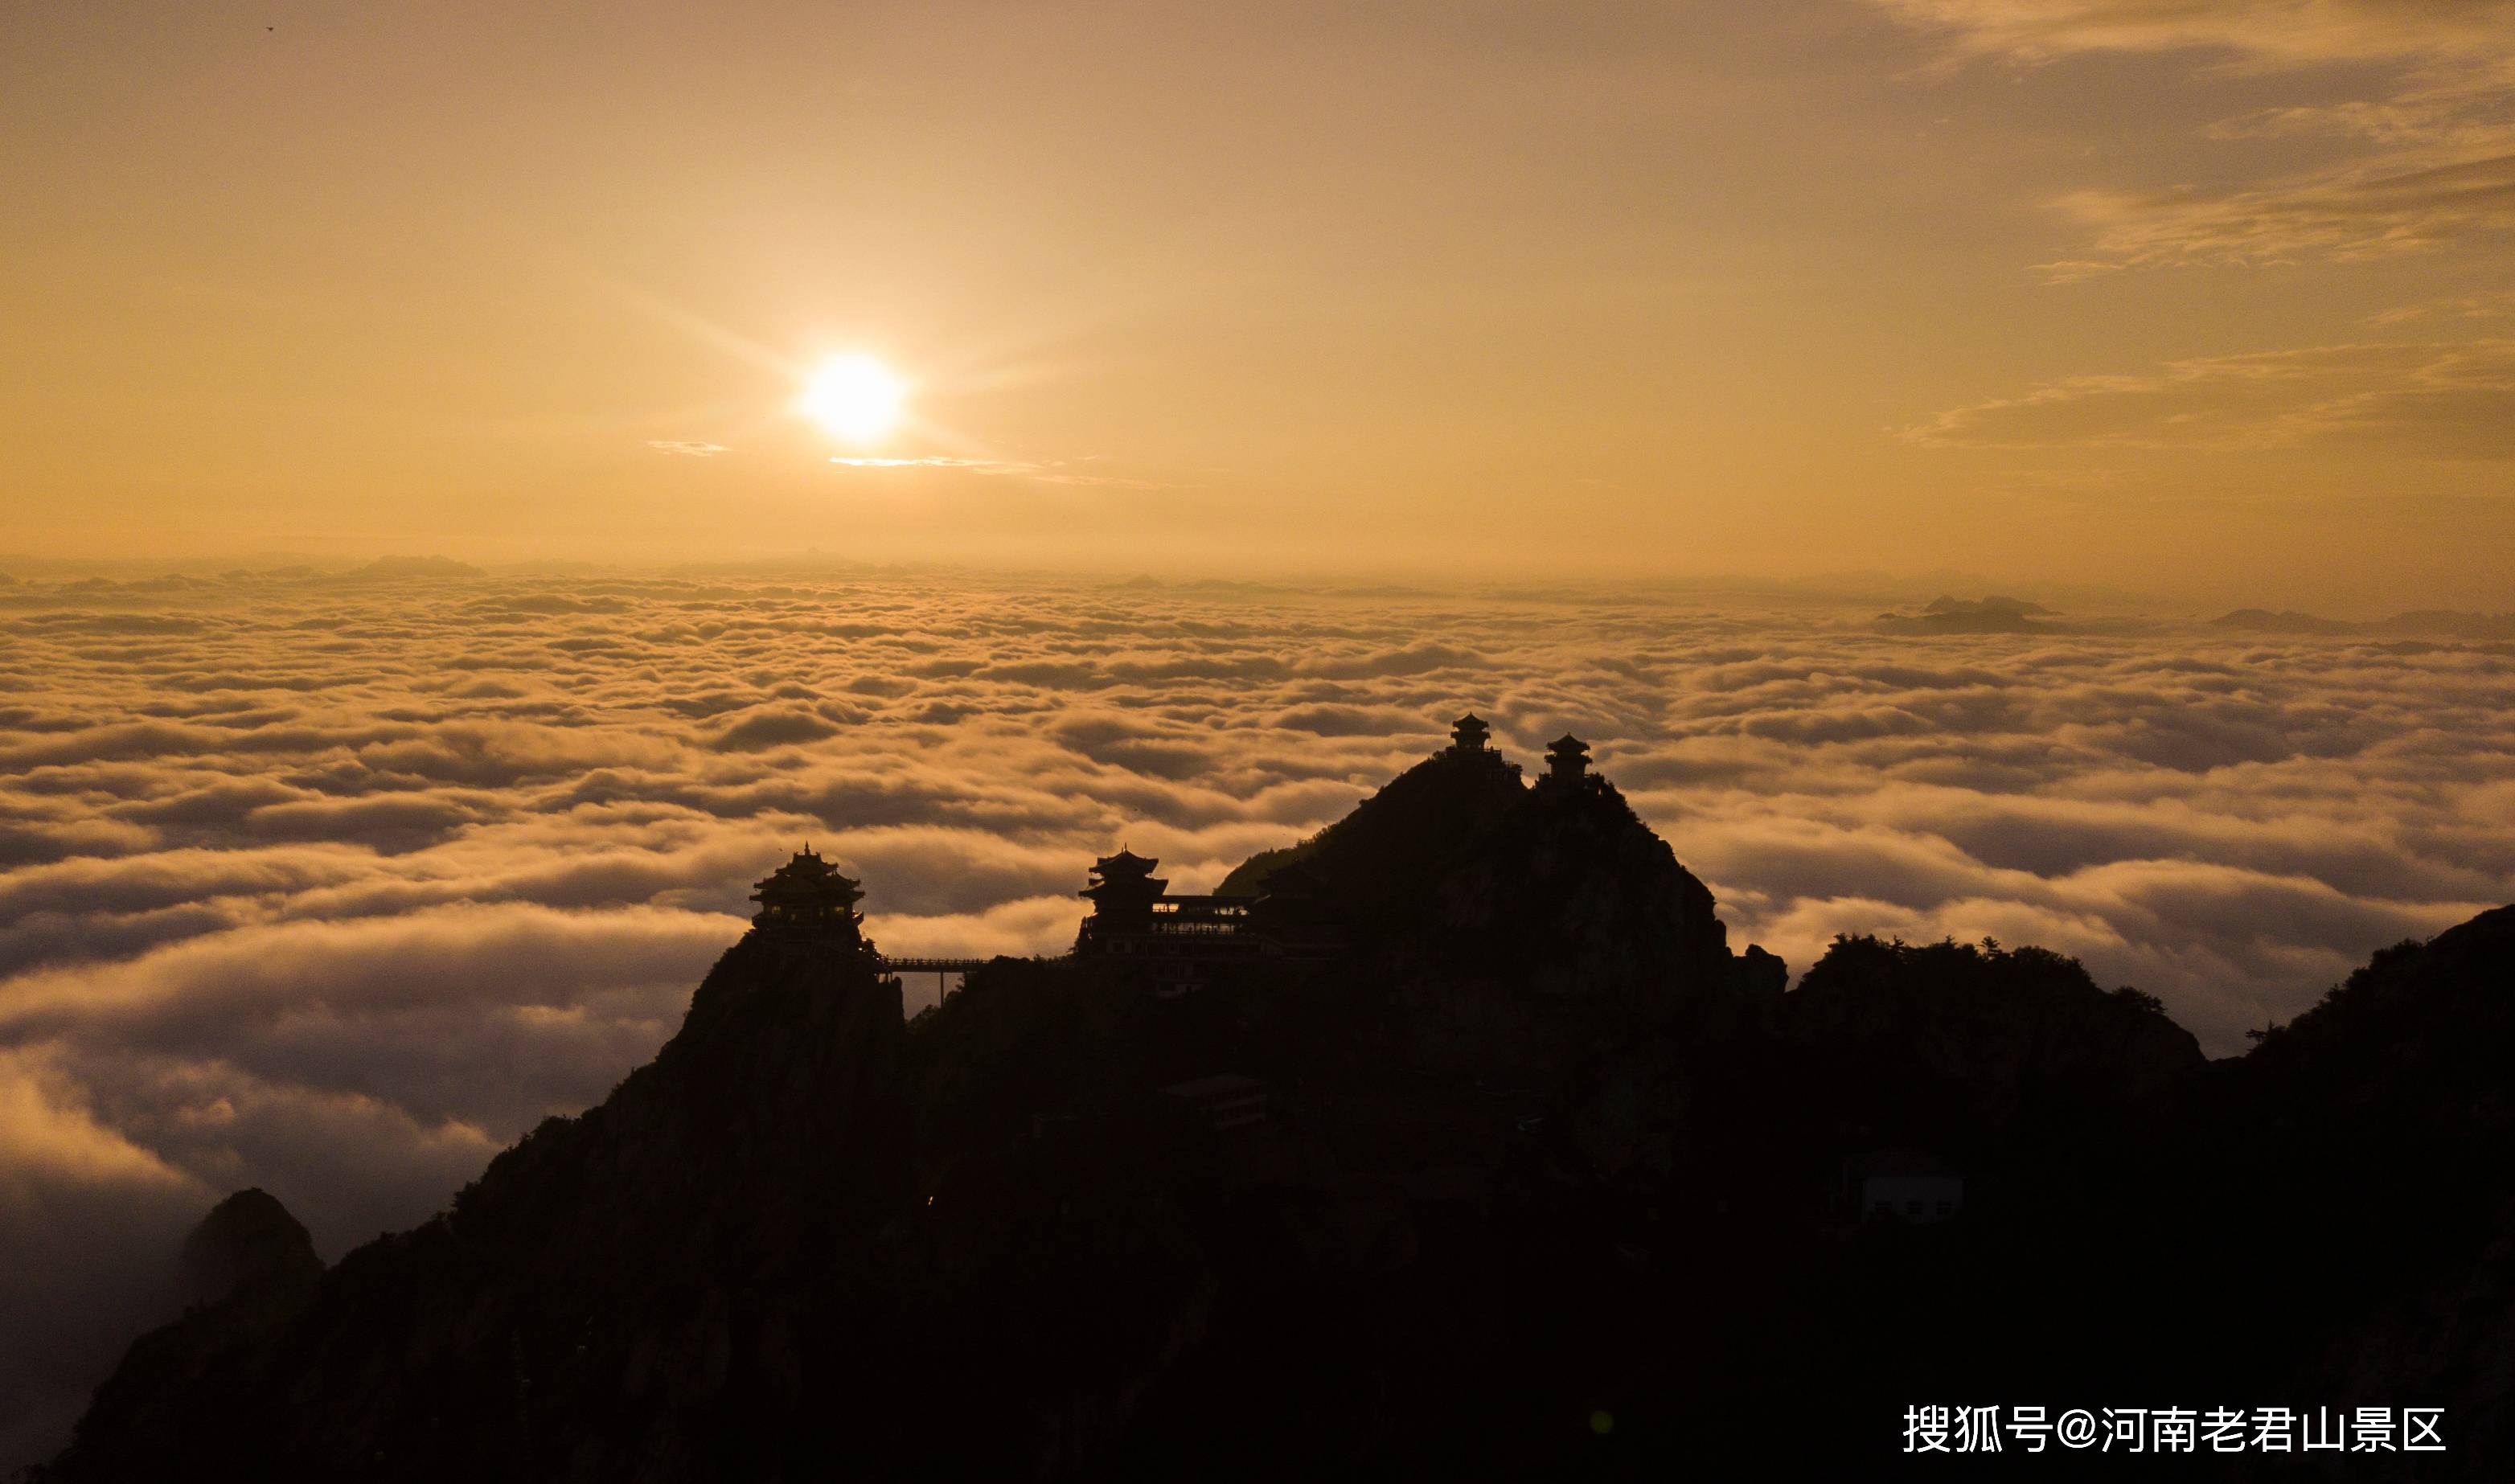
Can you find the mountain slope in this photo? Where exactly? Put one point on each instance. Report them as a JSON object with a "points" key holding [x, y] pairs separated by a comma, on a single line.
{"points": [[1540, 1180]]}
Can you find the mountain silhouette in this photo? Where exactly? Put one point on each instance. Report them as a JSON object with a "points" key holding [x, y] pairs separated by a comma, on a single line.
{"points": [[1956, 615], [1532, 1176], [2444, 623]]}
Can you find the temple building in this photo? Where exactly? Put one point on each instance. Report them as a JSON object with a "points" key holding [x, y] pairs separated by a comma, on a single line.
{"points": [[1911, 1185], [1181, 936], [1228, 1102], [1471, 744], [1122, 894], [1135, 913], [1567, 766], [809, 898]]}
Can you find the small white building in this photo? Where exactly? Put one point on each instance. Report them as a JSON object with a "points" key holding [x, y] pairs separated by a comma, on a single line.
{"points": [[1229, 1102], [1908, 1184]]}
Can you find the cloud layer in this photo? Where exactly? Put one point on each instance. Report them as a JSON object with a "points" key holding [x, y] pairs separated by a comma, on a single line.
{"points": [[334, 885]]}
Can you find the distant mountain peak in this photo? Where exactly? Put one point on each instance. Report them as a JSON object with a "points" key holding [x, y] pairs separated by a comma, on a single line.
{"points": [[1956, 615], [2443, 623]]}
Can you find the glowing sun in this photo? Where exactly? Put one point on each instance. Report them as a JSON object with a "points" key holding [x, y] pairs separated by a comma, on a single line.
{"points": [[856, 397]]}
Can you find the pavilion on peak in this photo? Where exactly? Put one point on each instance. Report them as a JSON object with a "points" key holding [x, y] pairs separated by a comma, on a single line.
{"points": [[1567, 757], [807, 898]]}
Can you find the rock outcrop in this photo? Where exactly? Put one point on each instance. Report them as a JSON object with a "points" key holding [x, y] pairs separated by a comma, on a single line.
{"points": [[1460, 871], [622, 1294], [199, 1383], [1541, 1179], [247, 1247], [2001, 1028]]}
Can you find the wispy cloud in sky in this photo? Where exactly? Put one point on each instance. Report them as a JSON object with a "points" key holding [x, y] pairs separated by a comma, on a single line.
{"points": [[2494, 304], [2416, 102], [2399, 204], [2451, 400], [2256, 33]]}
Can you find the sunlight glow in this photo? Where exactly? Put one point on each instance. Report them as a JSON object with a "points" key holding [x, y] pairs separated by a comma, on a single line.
{"points": [[855, 396]]}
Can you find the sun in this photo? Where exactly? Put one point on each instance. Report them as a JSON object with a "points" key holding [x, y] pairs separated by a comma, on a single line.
{"points": [[855, 396]]}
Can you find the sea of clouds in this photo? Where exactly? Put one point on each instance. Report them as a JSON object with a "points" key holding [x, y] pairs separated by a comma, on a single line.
{"points": [[336, 884]]}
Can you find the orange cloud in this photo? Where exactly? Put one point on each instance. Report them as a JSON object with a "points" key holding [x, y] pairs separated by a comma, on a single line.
{"points": [[2452, 400], [2436, 108]]}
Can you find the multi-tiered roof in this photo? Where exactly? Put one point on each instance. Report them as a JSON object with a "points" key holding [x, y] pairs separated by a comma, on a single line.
{"points": [[1567, 757], [810, 898]]}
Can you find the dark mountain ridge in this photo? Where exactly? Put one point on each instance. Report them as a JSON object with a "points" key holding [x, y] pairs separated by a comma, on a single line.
{"points": [[2448, 623], [1984, 615], [1534, 1178]]}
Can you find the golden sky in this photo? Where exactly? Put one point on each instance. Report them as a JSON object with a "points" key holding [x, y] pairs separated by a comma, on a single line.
{"points": [[2168, 295]]}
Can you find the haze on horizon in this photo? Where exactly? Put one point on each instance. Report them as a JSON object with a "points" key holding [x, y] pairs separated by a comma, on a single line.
{"points": [[2204, 298]]}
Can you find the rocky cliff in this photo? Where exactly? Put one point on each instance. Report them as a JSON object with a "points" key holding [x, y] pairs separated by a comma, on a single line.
{"points": [[1524, 920], [1537, 1180], [622, 1294]]}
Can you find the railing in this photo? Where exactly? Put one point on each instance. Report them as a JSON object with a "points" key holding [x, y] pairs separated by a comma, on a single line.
{"points": [[935, 965]]}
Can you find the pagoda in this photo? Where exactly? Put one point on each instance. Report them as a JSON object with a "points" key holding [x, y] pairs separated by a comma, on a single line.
{"points": [[1567, 758], [1469, 734], [807, 898], [1122, 894], [1135, 914]]}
